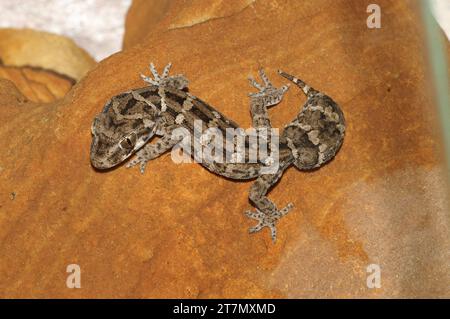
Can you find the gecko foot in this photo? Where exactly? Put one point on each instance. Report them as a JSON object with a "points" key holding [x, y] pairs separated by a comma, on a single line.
{"points": [[138, 160], [269, 94], [176, 81], [270, 220]]}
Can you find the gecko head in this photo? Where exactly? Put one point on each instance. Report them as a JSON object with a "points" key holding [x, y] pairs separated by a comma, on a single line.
{"points": [[114, 141]]}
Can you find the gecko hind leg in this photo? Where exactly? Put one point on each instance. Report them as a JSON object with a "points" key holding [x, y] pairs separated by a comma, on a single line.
{"points": [[267, 96], [266, 213], [178, 81], [268, 220]]}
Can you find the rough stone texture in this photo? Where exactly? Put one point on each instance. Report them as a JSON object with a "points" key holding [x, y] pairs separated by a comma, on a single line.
{"points": [[179, 231]]}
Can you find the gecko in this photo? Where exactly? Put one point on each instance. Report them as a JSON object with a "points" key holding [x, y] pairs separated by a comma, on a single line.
{"points": [[130, 120]]}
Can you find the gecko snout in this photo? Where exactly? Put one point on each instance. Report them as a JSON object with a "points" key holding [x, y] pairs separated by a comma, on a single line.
{"points": [[99, 155]]}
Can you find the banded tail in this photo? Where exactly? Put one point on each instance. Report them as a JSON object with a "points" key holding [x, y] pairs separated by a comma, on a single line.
{"points": [[302, 85]]}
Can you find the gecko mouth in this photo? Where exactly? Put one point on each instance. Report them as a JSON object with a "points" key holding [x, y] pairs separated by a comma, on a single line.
{"points": [[104, 162], [100, 162]]}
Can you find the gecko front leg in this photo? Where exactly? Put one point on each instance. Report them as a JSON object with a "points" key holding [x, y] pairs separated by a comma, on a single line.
{"points": [[178, 81], [152, 151]]}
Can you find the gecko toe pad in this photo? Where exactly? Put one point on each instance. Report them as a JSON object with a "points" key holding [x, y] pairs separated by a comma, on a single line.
{"points": [[268, 220]]}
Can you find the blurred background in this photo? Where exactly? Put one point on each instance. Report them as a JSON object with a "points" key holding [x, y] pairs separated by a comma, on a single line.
{"points": [[95, 25], [441, 10]]}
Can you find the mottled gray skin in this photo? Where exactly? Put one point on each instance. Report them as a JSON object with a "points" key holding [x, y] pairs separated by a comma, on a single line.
{"points": [[130, 120]]}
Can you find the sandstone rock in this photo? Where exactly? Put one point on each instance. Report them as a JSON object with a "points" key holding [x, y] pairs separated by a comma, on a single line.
{"points": [[179, 231], [36, 84], [141, 19], [146, 18], [10, 95], [43, 66], [44, 50]]}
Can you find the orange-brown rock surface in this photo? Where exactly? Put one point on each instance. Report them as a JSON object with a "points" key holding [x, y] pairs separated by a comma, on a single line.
{"points": [[36, 84], [179, 231], [43, 66]]}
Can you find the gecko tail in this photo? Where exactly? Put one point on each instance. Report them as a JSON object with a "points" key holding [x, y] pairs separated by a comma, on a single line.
{"points": [[302, 85]]}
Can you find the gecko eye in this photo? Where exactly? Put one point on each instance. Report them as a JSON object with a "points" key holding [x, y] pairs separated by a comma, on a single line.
{"points": [[128, 142]]}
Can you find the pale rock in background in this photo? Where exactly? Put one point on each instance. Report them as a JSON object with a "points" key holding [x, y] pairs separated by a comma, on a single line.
{"points": [[95, 25], [441, 11]]}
